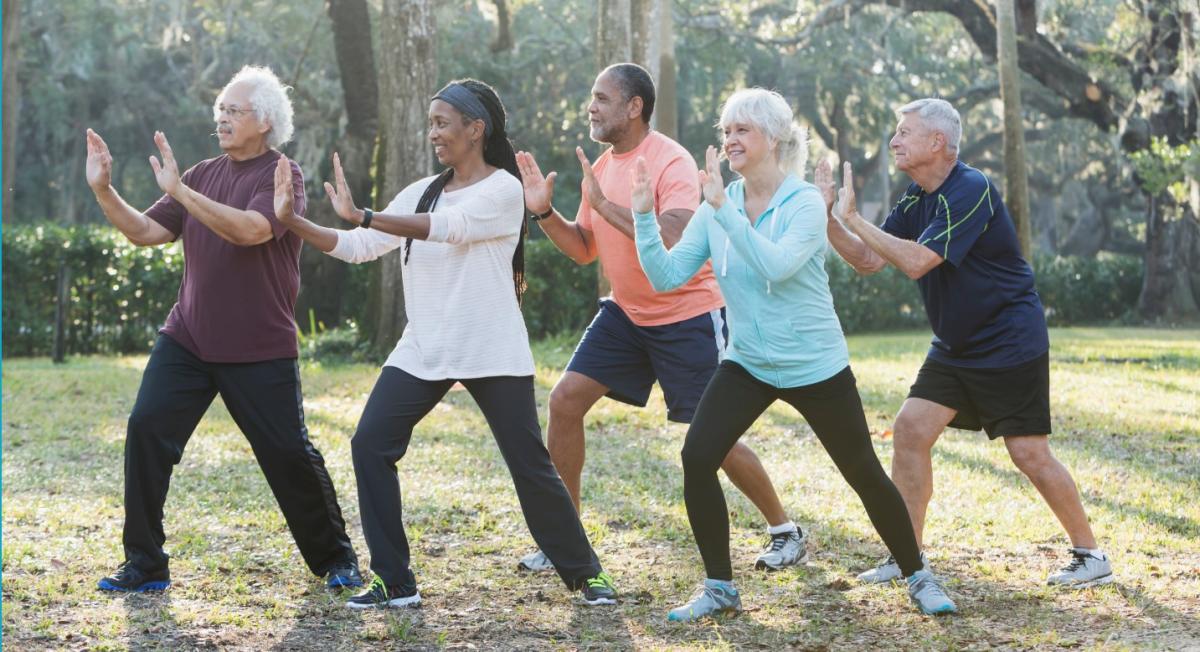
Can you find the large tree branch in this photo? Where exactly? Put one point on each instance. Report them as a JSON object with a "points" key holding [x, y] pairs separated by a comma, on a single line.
{"points": [[1086, 97]]}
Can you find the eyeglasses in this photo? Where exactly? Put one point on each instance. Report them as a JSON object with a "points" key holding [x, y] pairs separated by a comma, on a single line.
{"points": [[233, 112]]}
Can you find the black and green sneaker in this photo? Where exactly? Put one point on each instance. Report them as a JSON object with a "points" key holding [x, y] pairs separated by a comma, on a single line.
{"points": [[381, 595], [599, 590]]}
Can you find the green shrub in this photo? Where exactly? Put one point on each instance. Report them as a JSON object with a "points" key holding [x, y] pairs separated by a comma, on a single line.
{"points": [[121, 294]]}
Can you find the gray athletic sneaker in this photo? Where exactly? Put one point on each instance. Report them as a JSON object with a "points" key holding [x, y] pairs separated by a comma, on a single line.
{"points": [[714, 597], [888, 571], [536, 561], [927, 592], [785, 549], [1085, 570]]}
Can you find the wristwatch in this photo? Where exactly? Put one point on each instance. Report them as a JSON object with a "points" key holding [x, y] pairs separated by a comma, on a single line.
{"points": [[537, 217], [367, 215]]}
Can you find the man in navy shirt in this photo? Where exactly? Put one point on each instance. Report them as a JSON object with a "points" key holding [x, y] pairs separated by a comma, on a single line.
{"points": [[988, 365]]}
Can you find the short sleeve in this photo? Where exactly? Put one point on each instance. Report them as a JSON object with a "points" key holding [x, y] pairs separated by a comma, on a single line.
{"points": [[263, 200], [678, 186], [167, 211], [961, 214], [899, 222]]}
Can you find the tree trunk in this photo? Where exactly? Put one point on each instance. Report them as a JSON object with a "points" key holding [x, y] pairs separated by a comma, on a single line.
{"points": [[323, 279], [662, 58], [11, 105], [1015, 177], [620, 37], [407, 76]]}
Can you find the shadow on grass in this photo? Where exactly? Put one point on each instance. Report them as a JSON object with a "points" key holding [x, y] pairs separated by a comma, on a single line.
{"points": [[1174, 523]]}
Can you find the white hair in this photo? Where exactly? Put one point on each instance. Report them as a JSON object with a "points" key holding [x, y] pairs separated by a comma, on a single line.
{"points": [[938, 115], [268, 99], [768, 111]]}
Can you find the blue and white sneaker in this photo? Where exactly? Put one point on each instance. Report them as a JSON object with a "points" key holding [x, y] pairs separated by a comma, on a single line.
{"points": [[130, 578], [714, 597], [887, 571], [344, 575], [927, 592]]}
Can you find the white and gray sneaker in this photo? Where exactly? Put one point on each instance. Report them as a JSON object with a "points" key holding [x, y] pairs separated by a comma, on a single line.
{"points": [[888, 571], [537, 562], [1086, 569], [783, 550]]}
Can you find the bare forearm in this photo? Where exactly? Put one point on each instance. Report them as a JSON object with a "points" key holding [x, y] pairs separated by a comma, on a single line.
{"points": [[237, 226], [321, 237], [405, 226], [134, 225], [568, 237], [618, 216], [853, 250], [913, 259]]}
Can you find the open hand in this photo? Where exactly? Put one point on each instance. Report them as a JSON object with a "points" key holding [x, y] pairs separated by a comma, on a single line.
{"points": [[339, 194], [167, 172], [641, 199], [711, 183], [99, 162], [539, 190], [591, 187], [823, 180], [846, 205], [284, 210]]}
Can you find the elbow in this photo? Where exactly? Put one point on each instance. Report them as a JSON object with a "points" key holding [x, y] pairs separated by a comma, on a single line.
{"points": [[253, 236], [869, 268]]}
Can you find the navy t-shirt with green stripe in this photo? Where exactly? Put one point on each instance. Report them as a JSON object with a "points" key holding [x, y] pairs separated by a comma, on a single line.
{"points": [[981, 301]]}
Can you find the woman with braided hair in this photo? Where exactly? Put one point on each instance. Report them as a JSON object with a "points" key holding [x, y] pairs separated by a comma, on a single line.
{"points": [[462, 285]]}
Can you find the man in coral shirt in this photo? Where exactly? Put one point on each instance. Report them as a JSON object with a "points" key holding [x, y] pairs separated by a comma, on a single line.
{"points": [[640, 336]]}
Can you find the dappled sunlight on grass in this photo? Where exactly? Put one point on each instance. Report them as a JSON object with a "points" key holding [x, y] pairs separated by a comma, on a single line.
{"points": [[1125, 422]]}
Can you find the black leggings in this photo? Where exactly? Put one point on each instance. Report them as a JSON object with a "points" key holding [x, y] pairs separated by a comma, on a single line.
{"points": [[397, 403], [731, 403]]}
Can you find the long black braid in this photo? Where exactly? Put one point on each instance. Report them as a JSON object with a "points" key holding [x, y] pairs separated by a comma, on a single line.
{"points": [[498, 151]]}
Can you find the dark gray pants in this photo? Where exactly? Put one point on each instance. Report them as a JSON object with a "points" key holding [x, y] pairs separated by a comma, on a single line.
{"points": [[397, 403], [264, 400]]}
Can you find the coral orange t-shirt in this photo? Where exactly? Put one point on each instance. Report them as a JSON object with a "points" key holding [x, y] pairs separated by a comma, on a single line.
{"points": [[676, 186]]}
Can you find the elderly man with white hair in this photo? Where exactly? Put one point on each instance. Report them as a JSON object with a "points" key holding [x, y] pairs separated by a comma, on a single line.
{"points": [[232, 332], [988, 366]]}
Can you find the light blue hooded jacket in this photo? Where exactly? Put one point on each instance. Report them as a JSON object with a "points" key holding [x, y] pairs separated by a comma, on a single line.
{"points": [[782, 325]]}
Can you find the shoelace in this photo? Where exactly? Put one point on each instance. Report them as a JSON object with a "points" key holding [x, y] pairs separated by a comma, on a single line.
{"points": [[931, 584], [1079, 560], [601, 580], [378, 587], [778, 541]]}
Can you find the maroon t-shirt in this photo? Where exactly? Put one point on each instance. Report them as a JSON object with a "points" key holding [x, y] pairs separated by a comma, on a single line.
{"points": [[236, 303]]}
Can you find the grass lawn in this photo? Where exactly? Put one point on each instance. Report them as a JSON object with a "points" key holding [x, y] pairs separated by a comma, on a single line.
{"points": [[1126, 422]]}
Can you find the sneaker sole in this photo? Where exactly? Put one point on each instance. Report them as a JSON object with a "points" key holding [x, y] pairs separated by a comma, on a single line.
{"points": [[1107, 579], [762, 565], [148, 587], [947, 609], [730, 612], [411, 601], [598, 601]]}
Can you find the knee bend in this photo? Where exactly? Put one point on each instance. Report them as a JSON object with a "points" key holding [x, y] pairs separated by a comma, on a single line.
{"points": [[1031, 461], [911, 435], [368, 445], [565, 404], [697, 460]]}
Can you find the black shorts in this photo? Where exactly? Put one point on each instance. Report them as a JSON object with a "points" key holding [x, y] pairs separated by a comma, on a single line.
{"points": [[1003, 402], [628, 358]]}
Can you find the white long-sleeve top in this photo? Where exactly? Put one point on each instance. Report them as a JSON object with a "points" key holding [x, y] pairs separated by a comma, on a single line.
{"points": [[463, 317]]}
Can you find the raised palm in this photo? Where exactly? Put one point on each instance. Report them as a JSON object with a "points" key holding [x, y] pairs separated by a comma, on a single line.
{"points": [[711, 183], [847, 204], [641, 197], [539, 190], [99, 162], [339, 193], [823, 180], [284, 210]]}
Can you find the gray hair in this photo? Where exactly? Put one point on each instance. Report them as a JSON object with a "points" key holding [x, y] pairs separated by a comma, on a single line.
{"points": [[938, 115], [768, 111], [269, 100]]}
